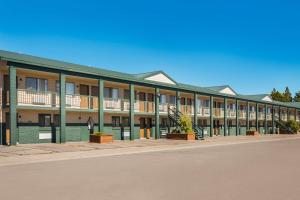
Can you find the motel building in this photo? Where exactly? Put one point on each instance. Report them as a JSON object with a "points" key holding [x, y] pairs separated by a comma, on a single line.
{"points": [[49, 101]]}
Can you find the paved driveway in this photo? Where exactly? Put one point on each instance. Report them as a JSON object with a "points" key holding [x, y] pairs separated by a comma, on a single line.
{"points": [[255, 170]]}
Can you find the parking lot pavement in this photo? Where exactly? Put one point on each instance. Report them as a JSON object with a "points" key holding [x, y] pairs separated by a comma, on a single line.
{"points": [[30, 153], [264, 168]]}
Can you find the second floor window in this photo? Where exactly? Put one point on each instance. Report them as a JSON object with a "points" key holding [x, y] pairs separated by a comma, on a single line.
{"points": [[112, 93], [36, 84], [70, 88]]}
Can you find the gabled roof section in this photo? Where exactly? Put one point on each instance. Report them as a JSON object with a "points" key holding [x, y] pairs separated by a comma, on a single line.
{"points": [[156, 76], [260, 97], [224, 89]]}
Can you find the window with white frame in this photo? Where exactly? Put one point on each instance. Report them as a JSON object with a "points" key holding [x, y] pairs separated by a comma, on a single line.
{"points": [[36, 84]]}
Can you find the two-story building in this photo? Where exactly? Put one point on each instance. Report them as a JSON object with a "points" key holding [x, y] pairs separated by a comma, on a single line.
{"points": [[45, 101]]}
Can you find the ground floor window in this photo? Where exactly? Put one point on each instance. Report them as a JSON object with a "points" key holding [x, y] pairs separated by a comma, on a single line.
{"points": [[125, 122], [56, 120], [44, 120], [115, 121]]}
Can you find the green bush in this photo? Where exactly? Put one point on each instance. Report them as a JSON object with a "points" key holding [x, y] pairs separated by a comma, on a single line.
{"points": [[293, 126], [186, 124], [98, 133]]}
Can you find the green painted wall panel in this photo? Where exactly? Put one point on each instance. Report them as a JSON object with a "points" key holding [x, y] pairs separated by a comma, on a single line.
{"points": [[136, 133], [30, 134], [243, 131], [232, 131], [73, 133], [115, 131]]}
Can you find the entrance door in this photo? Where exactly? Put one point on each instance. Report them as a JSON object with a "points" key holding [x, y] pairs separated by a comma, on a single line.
{"points": [[95, 96], [217, 127], [84, 96], [7, 129], [149, 127], [142, 127], [142, 99]]}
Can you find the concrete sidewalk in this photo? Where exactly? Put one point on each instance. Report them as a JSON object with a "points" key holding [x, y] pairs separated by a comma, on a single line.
{"points": [[34, 153]]}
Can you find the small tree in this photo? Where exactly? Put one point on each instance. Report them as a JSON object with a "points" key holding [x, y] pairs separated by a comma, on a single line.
{"points": [[186, 124], [287, 95]]}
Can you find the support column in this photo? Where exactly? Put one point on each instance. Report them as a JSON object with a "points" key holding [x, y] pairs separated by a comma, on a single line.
{"points": [[279, 113], [248, 116], [177, 105], [196, 109], [101, 105], [288, 114], [157, 128], [237, 121], [256, 117], [62, 108], [177, 101], [273, 120], [211, 105], [266, 119], [225, 117], [14, 134], [131, 112], [295, 116]]}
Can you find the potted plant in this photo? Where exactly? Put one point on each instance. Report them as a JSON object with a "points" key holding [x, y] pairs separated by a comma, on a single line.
{"points": [[186, 130], [101, 138]]}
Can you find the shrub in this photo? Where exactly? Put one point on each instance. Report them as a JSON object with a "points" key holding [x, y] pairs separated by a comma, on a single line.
{"points": [[98, 133], [186, 124], [293, 126]]}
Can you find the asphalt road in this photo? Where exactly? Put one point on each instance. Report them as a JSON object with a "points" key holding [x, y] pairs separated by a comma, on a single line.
{"points": [[268, 170]]}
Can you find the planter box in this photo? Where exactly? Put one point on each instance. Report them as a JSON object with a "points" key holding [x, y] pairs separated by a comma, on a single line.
{"points": [[181, 136], [101, 139], [252, 133]]}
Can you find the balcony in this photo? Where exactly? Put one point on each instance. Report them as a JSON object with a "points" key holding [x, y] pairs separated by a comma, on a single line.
{"points": [[163, 107], [37, 98], [218, 112], [242, 114], [261, 116], [231, 113], [284, 117], [204, 111], [115, 104], [269, 116], [187, 109], [252, 115], [139, 106], [81, 102]]}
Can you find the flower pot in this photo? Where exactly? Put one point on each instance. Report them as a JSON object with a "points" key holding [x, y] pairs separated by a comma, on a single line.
{"points": [[101, 139], [181, 136], [252, 133]]}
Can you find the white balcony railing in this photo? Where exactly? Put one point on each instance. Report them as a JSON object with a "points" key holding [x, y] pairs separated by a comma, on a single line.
{"points": [[218, 112], [81, 102], [242, 114], [231, 113], [37, 98], [252, 115], [204, 111], [112, 104]]}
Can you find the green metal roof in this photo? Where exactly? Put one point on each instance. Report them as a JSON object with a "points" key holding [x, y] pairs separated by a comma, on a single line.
{"points": [[137, 78]]}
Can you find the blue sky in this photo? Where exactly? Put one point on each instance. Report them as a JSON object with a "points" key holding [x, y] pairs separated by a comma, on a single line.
{"points": [[251, 45]]}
